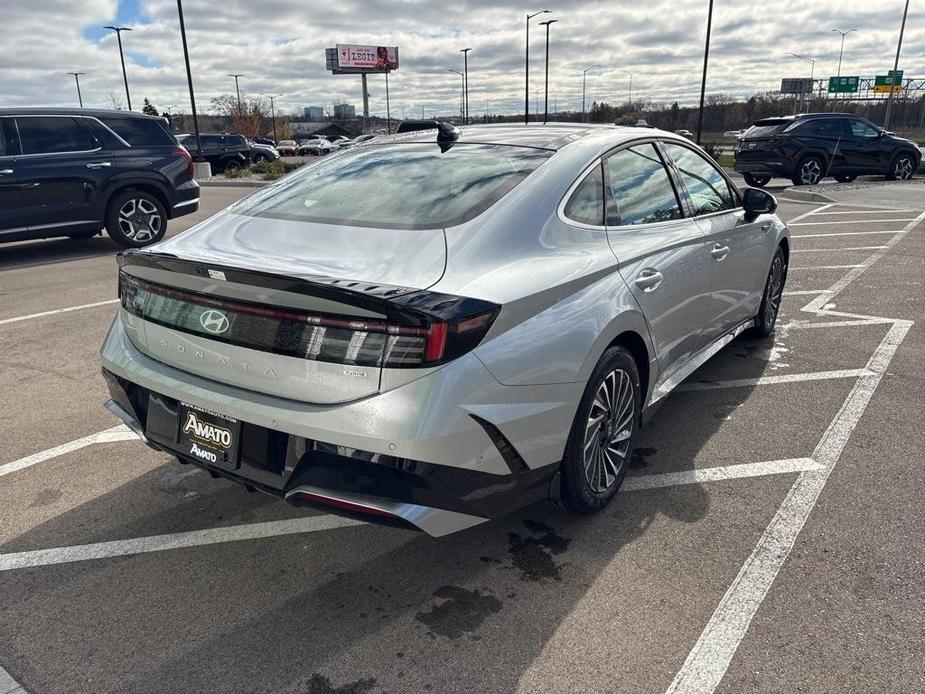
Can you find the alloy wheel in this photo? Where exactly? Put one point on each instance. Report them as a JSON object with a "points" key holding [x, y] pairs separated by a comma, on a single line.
{"points": [[139, 219], [810, 172], [609, 431], [774, 291], [902, 169]]}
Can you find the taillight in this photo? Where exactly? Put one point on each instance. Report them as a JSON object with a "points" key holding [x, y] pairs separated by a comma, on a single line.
{"points": [[183, 152]]}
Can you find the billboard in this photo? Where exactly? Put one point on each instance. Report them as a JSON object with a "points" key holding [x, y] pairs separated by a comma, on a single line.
{"points": [[796, 85], [350, 55]]}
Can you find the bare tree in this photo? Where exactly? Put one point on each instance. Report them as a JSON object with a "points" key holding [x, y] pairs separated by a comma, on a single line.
{"points": [[116, 100], [249, 118]]}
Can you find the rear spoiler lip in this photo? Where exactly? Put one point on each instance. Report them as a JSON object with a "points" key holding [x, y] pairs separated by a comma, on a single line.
{"points": [[403, 305]]}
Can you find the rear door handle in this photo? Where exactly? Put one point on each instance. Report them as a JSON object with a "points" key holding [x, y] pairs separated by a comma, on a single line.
{"points": [[99, 164], [719, 252], [648, 279]]}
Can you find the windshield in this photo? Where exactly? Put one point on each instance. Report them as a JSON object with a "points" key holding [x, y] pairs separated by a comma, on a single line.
{"points": [[402, 186], [766, 128]]}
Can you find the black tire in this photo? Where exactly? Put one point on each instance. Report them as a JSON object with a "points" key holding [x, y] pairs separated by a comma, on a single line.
{"points": [[258, 158], [902, 167], [770, 300], [810, 171], [135, 218], [588, 488], [845, 178], [231, 165], [756, 180]]}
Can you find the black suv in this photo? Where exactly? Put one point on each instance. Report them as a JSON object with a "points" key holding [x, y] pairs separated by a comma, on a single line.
{"points": [[808, 147], [70, 172], [221, 150]]}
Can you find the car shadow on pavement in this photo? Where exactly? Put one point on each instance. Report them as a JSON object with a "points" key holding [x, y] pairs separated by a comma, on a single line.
{"points": [[49, 251]]}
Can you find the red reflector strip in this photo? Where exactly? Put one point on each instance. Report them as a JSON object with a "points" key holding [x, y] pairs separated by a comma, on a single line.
{"points": [[436, 342], [340, 503]]}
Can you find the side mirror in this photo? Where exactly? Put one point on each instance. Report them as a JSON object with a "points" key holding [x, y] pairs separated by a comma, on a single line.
{"points": [[757, 202]]}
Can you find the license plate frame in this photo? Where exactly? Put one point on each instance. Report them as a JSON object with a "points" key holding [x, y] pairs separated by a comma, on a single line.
{"points": [[210, 437]]}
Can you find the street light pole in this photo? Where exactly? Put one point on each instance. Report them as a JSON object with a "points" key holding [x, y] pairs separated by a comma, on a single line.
{"points": [[465, 52], [703, 81], [899, 46], [584, 80], [237, 90], [273, 115], [77, 81], [119, 31], [189, 80], [812, 73], [462, 92], [527, 67], [546, 97], [631, 87]]}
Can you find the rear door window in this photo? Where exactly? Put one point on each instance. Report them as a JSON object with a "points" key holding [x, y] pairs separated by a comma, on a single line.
{"points": [[586, 204], [140, 132], [53, 135], [639, 190], [820, 127], [706, 186]]}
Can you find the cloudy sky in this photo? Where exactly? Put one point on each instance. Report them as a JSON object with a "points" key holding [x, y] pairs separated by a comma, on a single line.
{"points": [[279, 46]]}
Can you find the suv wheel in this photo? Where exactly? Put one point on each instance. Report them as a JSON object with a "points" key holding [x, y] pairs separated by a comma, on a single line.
{"points": [[135, 218], [770, 300], [810, 171], [756, 180], [902, 168], [603, 434], [845, 178]]}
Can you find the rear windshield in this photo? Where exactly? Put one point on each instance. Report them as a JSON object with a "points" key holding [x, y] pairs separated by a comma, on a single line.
{"points": [[400, 186], [140, 132], [766, 128]]}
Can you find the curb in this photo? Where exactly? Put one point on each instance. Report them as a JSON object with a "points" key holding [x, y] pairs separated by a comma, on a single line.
{"points": [[232, 184], [803, 195]]}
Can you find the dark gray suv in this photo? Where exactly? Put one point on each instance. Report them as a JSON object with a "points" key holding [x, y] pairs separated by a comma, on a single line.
{"points": [[71, 172]]}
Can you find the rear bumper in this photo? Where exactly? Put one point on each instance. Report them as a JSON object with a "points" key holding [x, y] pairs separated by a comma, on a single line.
{"points": [[186, 199], [766, 165]]}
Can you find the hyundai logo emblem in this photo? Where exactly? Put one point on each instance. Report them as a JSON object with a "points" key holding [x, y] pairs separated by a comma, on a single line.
{"points": [[214, 321]]}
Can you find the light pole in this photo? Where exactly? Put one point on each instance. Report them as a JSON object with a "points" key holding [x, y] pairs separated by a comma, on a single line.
{"points": [[703, 81], [465, 52], [273, 114], [812, 72], [840, 53], [119, 31], [236, 89], [189, 80], [546, 96], [527, 67], [462, 92], [584, 80], [889, 98], [77, 81]]}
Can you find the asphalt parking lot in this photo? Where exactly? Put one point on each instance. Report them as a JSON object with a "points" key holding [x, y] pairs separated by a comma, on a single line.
{"points": [[769, 538]]}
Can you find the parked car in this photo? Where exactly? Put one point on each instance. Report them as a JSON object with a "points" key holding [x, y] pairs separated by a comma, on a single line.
{"points": [[735, 133], [685, 133], [287, 148], [809, 147], [71, 172], [265, 141], [316, 146], [434, 331], [222, 150], [358, 140], [262, 153]]}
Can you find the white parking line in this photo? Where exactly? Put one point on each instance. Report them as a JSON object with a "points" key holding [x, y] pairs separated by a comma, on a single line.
{"points": [[842, 233], [802, 324], [850, 221], [57, 311], [116, 433], [855, 212], [772, 380], [822, 267], [805, 292], [709, 659], [818, 210], [836, 250], [8, 685], [309, 524]]}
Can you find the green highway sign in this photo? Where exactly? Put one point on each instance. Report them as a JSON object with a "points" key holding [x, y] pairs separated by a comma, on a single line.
{"points": [[893, 82], [843, 85]]}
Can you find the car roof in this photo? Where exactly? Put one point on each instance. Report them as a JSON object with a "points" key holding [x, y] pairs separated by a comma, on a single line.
{"points": [[65, 111], [802, 116]]}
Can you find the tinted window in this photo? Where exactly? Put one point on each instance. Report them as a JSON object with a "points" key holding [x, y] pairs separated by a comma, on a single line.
{"points": [[405, 186], [861, 129], [4, 146], [235, 141], [708, 189], [140, 132], [586, 205], [638, 188], [48, 135], [819, 127], [766, 128], [209, 140]]}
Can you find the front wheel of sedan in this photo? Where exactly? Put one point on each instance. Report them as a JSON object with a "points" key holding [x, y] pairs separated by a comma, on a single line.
{"points": [[770, 300], [902, 168], [810, 171], [603, 434]]}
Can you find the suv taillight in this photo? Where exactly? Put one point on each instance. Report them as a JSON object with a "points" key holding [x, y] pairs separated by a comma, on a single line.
{"points": [[183, 152]]}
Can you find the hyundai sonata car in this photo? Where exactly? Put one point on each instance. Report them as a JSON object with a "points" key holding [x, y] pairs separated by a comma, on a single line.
{"points": [[444, 325]]}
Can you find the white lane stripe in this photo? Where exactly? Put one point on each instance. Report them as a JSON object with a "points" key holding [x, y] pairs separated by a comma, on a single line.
{"points": [[817, 210], [822, 267], [805, 292], [850, 221], [817, 304], [837, 250], [855, 212], [57, 311], [211, 536], [161, 543], [116, 433], [8, 685], [842, 233], [716, 474], [773, 380], [801, 324], [709, 659]]}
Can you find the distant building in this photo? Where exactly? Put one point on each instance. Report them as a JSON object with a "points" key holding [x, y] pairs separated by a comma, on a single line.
{"points": [[345, 112], [314, 113]]}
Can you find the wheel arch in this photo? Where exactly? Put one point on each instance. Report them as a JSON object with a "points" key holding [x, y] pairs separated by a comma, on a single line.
{"points": [[149, 187], [634, 343]]}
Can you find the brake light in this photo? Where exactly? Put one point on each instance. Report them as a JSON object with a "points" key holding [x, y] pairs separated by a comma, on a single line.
{"points": [[183, 152]]}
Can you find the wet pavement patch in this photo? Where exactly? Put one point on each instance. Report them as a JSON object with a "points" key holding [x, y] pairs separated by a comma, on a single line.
{"points": [[462, 612], [319, 684], [533, 554]]}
